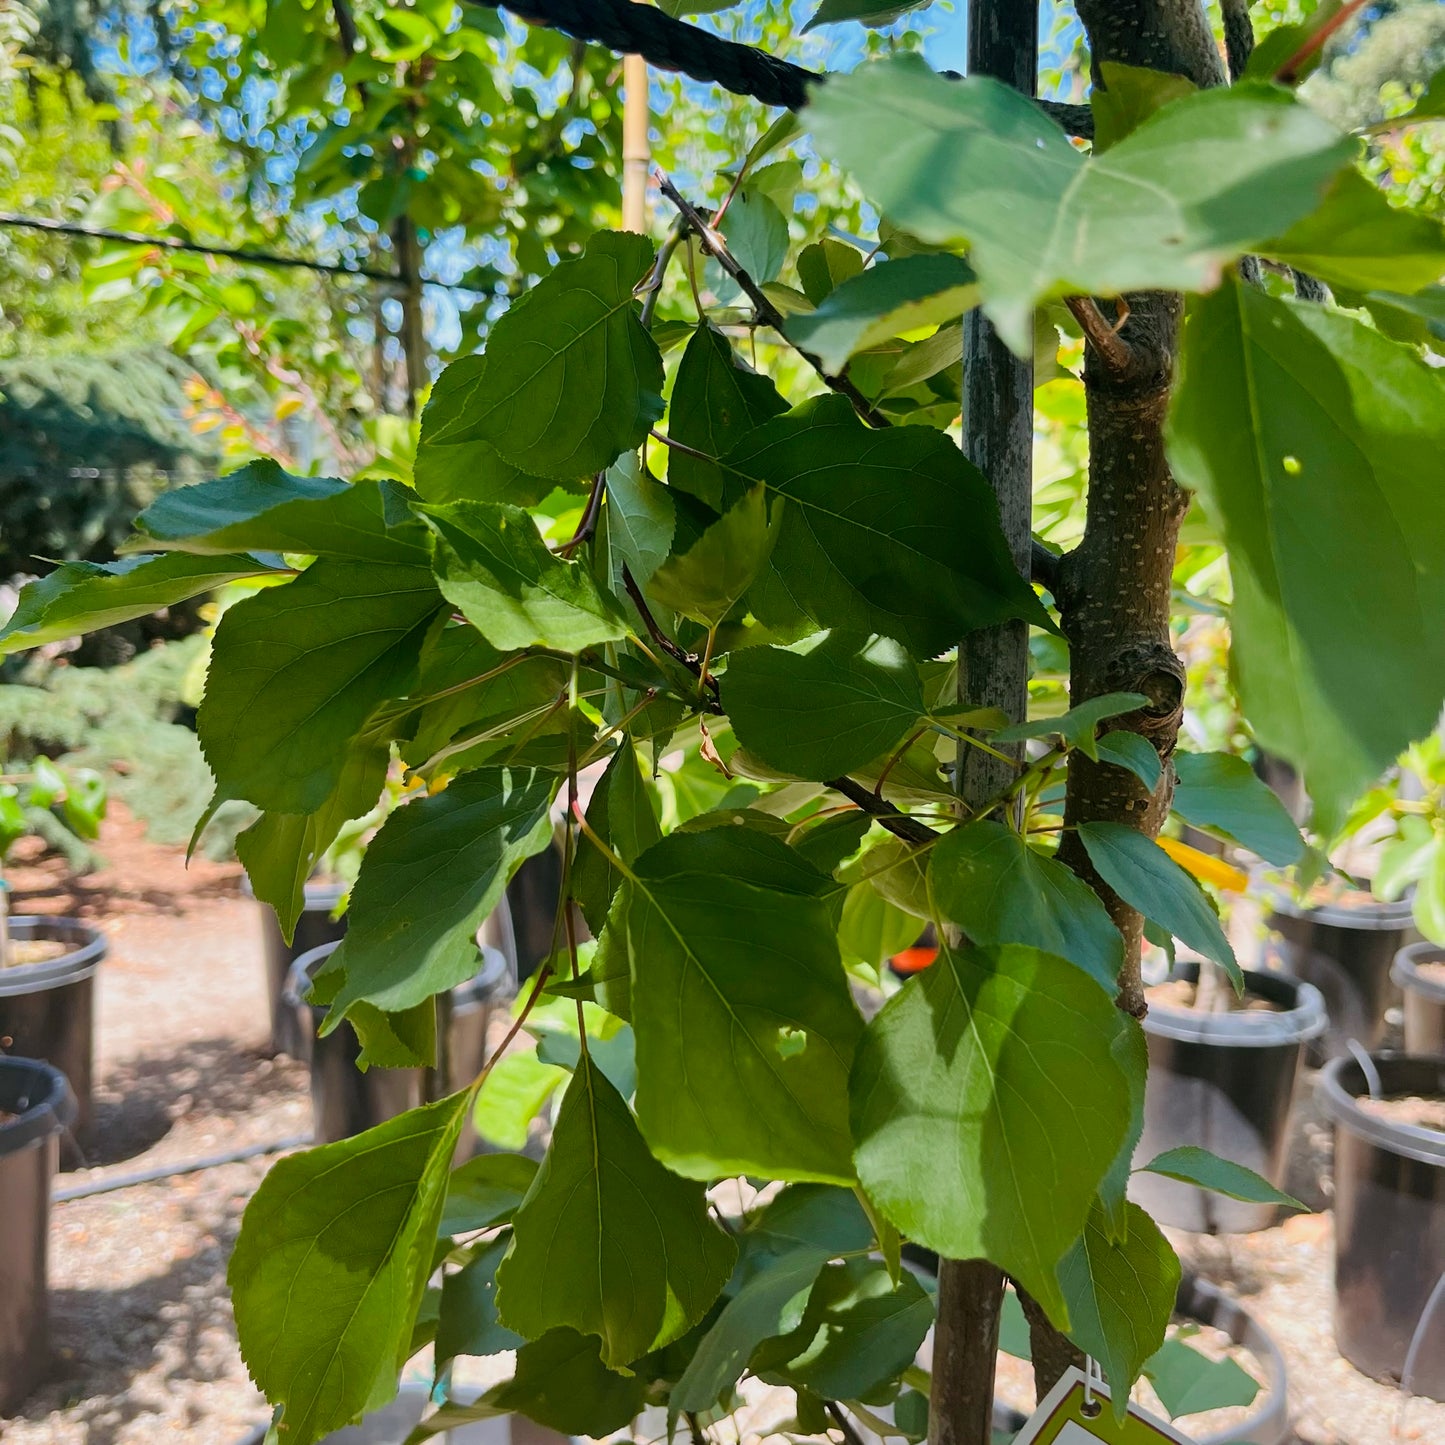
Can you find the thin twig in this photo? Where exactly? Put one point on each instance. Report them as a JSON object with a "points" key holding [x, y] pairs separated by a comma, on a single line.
{"points": [[678, 446], [653, 289], [850, 1435], [687, 659], [767, 314], [1103, 336], [1288, 73], [588, 525], [900, 824]]}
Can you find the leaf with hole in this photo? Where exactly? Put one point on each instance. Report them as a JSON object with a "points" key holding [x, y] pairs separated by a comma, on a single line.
{"points": [[732, 940], [1310, 436]]}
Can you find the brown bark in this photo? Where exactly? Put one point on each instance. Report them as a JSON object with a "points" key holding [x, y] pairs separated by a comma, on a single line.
{"points": [[1114, 588]]}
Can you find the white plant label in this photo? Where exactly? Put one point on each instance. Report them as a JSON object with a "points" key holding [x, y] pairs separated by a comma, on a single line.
{"points": [[1073, 1413]]}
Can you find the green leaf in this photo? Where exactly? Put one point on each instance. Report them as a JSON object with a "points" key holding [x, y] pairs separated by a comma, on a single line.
{"points": [[1192, 1165], [1189, 1383], [706, 581], [1309, 435], [1127, 97], [858, 1331], [263, 507], [732, 940], [769, 1303], [468, 1324], [756, 232], [621, 814], [1078, 726], [493, 566], [80, 597], [825, 706], [1215, 790], [1131, 1052], [456, 850], [1129, 750], [560, 1382], [1147, 878], [1357, 239], [607, 1240], [1121, 1294], [329, 1268], [1429, 905], [296, 671], [572, 380], [987, 1106], [716, 401], [485, 1192], [868, 12], [988, 880], [1417, 319], [453, 463], [280, 851], [813, 1216], [826, 264], [1168, 207], [889, 531], [641, 519], [883, 302], [1429, 106], [512, 1096]]}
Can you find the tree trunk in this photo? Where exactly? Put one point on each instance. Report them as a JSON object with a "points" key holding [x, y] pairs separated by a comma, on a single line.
{"points": [[1114, 588], [993, 671]]}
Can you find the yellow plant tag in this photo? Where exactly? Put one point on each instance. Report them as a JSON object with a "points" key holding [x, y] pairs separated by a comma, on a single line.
{"points": [[1073, 1413], [1205, 866]]}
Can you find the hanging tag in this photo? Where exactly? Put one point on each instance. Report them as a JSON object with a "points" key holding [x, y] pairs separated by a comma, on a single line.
{"points": [[1077, 1412]]}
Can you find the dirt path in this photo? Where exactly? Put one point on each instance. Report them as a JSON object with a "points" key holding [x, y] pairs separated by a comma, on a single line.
{"points": [[145, 1344]]}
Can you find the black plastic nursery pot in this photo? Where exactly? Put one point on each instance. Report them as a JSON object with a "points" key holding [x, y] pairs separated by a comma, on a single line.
{"points": [[1389, 1224], [1224, 1082], [345, 1099], [36, 1105], [314, 927], [47, 1010], [1424, 992], [1345, 951]]}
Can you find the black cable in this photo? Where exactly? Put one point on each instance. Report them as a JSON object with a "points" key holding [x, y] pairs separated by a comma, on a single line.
{"points": [[228, 253], [169, 1171]]}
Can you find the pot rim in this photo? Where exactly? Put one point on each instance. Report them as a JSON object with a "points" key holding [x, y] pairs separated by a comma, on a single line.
{"points": [[1342, 1082], [492, 973], [54, 1111], [1405, 970], [1373, 917], [319, 894], [80, 963], [1307, 1020]]}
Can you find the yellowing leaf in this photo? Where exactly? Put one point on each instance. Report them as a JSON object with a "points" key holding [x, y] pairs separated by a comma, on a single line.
{"points": [[1205, 866]]}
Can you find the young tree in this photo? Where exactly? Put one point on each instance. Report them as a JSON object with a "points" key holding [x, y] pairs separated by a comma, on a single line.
{"points": [[823, 608]]}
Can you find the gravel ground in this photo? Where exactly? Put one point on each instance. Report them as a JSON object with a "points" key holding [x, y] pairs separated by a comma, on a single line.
{"points": [[141, 1326]]}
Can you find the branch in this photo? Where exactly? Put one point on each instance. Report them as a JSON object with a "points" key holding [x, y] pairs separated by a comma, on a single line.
{"points": [[898, 823], [1288, 73], [1044, 565], [672, 44], [1238, 36], [767, 314], [1103, 335]]}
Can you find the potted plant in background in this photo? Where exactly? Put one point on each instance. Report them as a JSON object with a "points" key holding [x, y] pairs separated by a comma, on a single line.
{"points": [[1224, 1052], [1345, 934], [36, 1106], [47, 964]]}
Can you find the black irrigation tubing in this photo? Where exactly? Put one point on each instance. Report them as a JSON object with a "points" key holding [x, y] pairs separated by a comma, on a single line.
{"points": [[170, 1171], [227, 253]]}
